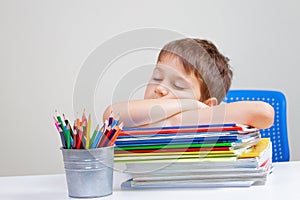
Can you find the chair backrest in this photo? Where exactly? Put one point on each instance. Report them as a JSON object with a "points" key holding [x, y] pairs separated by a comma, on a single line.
{"points": [[278, 132]]}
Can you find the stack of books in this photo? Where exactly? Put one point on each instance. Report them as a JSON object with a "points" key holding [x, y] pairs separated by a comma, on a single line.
{"points": [[218, 155]]}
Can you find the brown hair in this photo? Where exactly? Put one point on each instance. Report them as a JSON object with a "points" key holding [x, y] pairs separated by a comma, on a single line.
{"points": [[202, 58]]}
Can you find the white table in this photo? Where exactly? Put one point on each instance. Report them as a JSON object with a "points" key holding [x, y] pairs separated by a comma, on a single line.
{"points": [[283, 183]]}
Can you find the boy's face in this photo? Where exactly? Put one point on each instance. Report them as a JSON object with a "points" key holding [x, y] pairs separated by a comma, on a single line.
{"points": [[171, 81]]}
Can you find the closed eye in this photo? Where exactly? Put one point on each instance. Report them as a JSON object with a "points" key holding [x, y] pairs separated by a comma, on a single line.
{"points": [[157, 75], [157, 79], [178, 87]]}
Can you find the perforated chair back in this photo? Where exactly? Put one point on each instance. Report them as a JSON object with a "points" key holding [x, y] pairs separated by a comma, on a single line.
{"points": [[278, 132]]}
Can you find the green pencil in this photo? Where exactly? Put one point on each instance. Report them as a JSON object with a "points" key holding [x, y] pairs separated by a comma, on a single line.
{"points": [[94, 135], [66, 131]]}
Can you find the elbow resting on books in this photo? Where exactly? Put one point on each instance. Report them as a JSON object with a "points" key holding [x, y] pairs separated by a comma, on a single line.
{"points": [[262, 116]]}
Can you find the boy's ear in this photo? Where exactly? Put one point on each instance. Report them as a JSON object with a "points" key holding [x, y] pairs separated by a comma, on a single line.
{"points": [[211, 101]]}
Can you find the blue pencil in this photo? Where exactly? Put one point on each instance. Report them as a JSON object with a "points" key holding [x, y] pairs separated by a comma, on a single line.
{"points": [[97, 139], [99, 134], [114, 123]]}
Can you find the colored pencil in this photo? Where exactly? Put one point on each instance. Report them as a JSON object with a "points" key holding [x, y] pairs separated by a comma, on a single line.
{"points": [[69, 128], [115, 121], [97, 138], [115, 136], [110, 118], [79, 141], [94, 135], [87, 140], [66, 131], [77, 121], [107, 137], [79, 136], [100, 134], [74, 138], [83, 133], [61, 133]]}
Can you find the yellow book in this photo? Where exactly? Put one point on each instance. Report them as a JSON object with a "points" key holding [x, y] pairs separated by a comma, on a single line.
{"points": [[258, 150]]}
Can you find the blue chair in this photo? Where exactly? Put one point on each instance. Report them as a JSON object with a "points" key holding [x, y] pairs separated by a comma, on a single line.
{"points": [[278, 132]]}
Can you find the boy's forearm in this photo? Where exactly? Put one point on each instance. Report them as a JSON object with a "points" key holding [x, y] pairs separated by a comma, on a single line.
{"points": [[148, 111], [256, 114]]}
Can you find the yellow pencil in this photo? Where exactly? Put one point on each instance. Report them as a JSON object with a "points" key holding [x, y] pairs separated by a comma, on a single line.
{"points": [[87, 142]]}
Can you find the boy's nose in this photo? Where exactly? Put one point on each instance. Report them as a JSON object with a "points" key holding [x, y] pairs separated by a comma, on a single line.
{"points": [[161, 90]]}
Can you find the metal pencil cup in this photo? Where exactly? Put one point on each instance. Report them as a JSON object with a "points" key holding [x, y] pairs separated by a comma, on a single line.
{"points": [[89, 172]]}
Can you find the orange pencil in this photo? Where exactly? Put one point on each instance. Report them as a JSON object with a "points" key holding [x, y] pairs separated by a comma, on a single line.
{"points": [[77, 121], [84, 124], [83, 118], [115, 136]]}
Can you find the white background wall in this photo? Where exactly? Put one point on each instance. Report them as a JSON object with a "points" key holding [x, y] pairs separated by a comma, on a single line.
{"points": [[43, 45]]}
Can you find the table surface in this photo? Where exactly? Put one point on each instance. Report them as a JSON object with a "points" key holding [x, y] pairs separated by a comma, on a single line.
{"points": [[282, 183]]}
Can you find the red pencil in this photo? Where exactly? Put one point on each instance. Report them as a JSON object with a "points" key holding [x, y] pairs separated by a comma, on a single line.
{"points": [[104, 137], [79, 141], [109, 136]]}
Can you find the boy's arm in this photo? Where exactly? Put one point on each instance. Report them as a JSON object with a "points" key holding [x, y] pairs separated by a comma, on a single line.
{"points": [[254, 113], [150, 111]]}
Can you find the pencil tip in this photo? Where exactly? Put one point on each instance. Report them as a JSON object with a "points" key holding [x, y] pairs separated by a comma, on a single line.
{"points": [[56, 112]]}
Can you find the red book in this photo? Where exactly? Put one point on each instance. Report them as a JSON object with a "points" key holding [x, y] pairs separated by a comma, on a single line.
{"points": [[174, 131]]}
